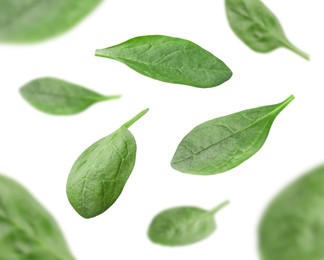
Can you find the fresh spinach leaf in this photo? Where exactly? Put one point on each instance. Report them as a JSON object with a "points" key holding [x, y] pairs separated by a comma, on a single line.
{"points": [[99, 175], [59, 97], [223, 143], [292, 226], [258, 27], [24, 21], [27, 230], [171, 60], [183, 225]]}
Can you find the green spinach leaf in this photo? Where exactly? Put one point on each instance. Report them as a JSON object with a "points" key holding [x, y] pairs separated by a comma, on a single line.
{"points": [[292, 226], [183, 225], [27, 230], [99, 175], [24, 21], [223, 143], [257, 26], [58, 97], [171, 60]]}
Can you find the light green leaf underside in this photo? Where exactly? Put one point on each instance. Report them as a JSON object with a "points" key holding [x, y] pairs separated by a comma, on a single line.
{"points": [[169, 59], [27, 230], [59, 97], [293, 224], [99, 175], [24, 21], [257, 26], [223, 143]]}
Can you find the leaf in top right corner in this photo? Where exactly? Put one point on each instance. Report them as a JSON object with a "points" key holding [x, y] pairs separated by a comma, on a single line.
{"points": [[258, 27]]}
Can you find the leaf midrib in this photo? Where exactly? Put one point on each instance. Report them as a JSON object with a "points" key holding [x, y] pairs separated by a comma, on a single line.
{"points": [[122, 59], [98, 98]]}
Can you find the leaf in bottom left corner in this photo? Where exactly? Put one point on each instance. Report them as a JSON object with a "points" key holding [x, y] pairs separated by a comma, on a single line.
{"points": [[27, 230]]}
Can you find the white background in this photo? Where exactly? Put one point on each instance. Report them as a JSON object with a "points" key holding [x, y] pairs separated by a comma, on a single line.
{"points": [[38, 150]]}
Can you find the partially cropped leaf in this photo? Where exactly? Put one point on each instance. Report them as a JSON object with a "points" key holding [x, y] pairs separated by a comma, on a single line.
{"points": [[24, 21], [292, 227], [171, 60], [59, 97], [257, 26], [27, 230], [183, 225], [223, 143], [99, 175]]}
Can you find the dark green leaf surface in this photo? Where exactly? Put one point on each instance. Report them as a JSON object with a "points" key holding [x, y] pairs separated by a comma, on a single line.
{"points": [[171, 60], [59, 97], [223, 143], [292, 227], [257, 26], [99, 175], [183, 225], [24, 21], [27, 230]]}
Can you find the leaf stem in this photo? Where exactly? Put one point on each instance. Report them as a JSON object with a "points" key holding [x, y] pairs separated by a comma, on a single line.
{"points": [[135, 118], [296, 50], [286, 102], [219, 207], [111, 97], [102, 53]]}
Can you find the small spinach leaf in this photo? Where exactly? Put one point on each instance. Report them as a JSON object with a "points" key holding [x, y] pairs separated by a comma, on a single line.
{"points": [[27, 230], [183, 225], [36, 20], [257, 26], [99, 175], [59, 97], [171, 60], [292, 226], [223, 143]]}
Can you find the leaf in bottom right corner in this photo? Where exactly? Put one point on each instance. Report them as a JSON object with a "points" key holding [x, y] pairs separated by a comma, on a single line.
{"points": [[292, 227]]}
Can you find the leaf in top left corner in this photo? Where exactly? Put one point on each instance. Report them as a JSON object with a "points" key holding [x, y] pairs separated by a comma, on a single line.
{"points": [[26, 21]]}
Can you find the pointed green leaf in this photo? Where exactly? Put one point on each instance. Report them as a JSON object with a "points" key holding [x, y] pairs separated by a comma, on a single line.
{"points": [[183, 225], [59, 97], [257, 26], [171, 60], [223, 143]]}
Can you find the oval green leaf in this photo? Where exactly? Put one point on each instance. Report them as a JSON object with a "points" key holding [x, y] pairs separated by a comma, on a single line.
{"points": [[292, 226], [24, 21], [257, 26], [99, 175], [59, 97], [27, 230], [183, 225], [223, 143], [169, 59]]}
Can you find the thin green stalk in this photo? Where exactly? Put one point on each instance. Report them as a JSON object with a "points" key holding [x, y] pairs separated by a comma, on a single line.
{"points": [[219, 207], [286, 102], [111, 97], [296, 50], [135, 118]]}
